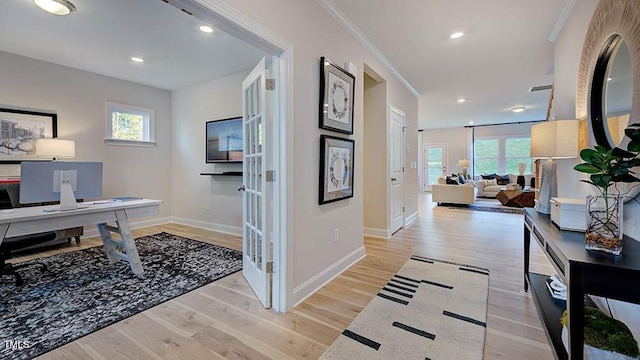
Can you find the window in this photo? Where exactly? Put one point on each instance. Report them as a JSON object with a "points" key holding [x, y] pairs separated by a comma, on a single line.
{"points": [[487, 153], [501, 155], [516, 150], [129, 125]]}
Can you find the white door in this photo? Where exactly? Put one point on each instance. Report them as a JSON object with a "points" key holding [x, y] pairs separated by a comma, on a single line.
{"points": [[256, 129], [396, 148], [435, 160]]}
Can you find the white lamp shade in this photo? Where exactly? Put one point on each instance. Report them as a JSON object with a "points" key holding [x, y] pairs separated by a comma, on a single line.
{"points": [[464, 163], [56, 148], [555, 139]]}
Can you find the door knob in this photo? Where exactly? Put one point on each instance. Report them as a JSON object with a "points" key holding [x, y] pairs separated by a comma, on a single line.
{"points": [[241, 188], [394, 179]]}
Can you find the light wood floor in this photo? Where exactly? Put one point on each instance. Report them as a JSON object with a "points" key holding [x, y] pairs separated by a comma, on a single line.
{"points": [[225, 320]]}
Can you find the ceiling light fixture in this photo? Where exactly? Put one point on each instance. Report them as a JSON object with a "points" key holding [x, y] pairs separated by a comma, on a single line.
{"points": [[206, 29], [609, 78], [461, 100], [456, 35], [471, 122], [518, 109], [137, 59], [56, 7]]}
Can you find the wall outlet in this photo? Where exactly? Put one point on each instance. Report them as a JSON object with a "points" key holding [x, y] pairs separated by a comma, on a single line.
{"points": [[336, 235], [208, 205]]}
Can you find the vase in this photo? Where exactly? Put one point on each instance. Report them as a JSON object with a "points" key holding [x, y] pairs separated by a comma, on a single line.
{"points": [[604, 224]]}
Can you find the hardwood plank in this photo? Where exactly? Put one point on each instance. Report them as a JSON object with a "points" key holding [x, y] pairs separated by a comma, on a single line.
{"points": [[225, 320]]}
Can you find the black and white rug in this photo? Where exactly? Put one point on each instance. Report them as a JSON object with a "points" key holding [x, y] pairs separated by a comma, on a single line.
{"points": [[431, 309], [81, 292]]}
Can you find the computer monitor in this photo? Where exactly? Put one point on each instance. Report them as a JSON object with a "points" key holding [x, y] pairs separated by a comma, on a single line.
{"points": [[60, 181]]}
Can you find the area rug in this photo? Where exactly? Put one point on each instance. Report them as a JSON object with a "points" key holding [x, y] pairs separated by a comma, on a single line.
{"points": [[430, 309], [488, 205], [81, 292]]}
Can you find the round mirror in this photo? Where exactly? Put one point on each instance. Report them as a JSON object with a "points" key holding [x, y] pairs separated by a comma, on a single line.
{"points": [[612, 93], [618, 94]]}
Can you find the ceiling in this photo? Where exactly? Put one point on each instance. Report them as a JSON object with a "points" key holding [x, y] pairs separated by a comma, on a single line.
{"points": [[505, 50], [101, 36]]}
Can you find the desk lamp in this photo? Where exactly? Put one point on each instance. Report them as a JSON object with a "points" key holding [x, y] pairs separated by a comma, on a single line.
{"points": [[552, 140]]}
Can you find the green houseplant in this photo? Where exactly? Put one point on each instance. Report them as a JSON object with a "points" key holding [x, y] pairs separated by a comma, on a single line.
{"points": [[606, 169]]}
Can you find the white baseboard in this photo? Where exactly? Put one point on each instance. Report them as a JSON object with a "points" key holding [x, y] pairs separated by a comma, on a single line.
{"points": [[227, 229], [309, 287], [91, 230], [411, 218], [377, 233]]}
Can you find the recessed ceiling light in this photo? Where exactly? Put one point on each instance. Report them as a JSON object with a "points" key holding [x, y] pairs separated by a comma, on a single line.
{"points": [[609, 79], [137, 59], [461, 100], [471, 122], [206, 29], [456, 35], [56, 7], [518, 109]]}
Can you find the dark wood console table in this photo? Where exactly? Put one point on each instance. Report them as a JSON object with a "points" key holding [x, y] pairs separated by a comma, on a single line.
{"points": [[584, 272]]}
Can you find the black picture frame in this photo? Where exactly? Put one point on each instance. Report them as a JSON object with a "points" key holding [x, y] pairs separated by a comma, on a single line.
{"points": [[19, 130], [336, 169], [337, 92]]}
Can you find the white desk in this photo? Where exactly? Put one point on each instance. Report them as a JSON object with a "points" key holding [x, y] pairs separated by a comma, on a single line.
{"points": [[31, 220]]}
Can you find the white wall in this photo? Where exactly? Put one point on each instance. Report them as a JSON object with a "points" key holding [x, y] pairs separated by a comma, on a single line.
{"points": [[79, 98], [568, 50], [191, 108], [376, 151], [314, 33]]}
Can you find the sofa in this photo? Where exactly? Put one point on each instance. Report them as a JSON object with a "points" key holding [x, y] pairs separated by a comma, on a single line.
{"points": [[490, 188], [463, 194]]}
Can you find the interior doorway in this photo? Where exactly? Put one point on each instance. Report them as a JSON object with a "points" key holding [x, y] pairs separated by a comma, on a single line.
{"points": [[376, 218], [434, 164], [274, 283]]}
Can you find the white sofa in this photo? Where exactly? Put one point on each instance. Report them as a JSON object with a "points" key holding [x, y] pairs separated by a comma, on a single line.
{"points": [[489, 188], [453, 194]]}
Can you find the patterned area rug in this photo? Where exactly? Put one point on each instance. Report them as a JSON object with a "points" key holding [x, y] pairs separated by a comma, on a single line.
{"points": [[430, 309], [81, 292], [488, 205]]}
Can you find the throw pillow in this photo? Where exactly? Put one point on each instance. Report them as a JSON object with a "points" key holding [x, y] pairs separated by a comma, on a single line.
{"points": [[488, 176], [450, 181], [502, 179], [492, 182], [442, 180], [461, 179]]}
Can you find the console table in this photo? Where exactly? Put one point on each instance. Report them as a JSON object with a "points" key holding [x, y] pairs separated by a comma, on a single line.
{"points": [[584, 272]]}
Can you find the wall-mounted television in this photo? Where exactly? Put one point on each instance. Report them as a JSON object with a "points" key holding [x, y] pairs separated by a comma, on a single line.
{"points": [[224, 140]]}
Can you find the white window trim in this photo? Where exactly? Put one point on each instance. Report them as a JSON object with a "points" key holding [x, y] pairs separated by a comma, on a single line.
{"points": [[149, 127], [502, 158]]}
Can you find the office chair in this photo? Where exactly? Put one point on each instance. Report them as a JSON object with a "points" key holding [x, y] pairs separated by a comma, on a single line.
{"points": [[10, 245]]}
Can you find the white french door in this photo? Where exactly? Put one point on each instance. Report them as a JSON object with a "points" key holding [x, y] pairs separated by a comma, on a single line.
{"points": [[256, 129], [435, 163]]}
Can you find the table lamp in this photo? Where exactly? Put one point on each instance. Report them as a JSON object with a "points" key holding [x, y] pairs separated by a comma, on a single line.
{"points": [[552, 140], [464, 164], [56, 148]]}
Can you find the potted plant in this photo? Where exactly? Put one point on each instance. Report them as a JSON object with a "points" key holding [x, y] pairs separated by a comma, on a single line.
{"points": [[604, 337], [607, 168]]}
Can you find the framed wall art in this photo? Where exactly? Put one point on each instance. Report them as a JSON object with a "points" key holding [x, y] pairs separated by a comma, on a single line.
{"points": [[337, 92], [336, 168], [19, 130]]}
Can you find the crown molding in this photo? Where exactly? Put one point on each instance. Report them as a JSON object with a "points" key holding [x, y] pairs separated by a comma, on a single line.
{"points": [[564, 15], [346, 22]]}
